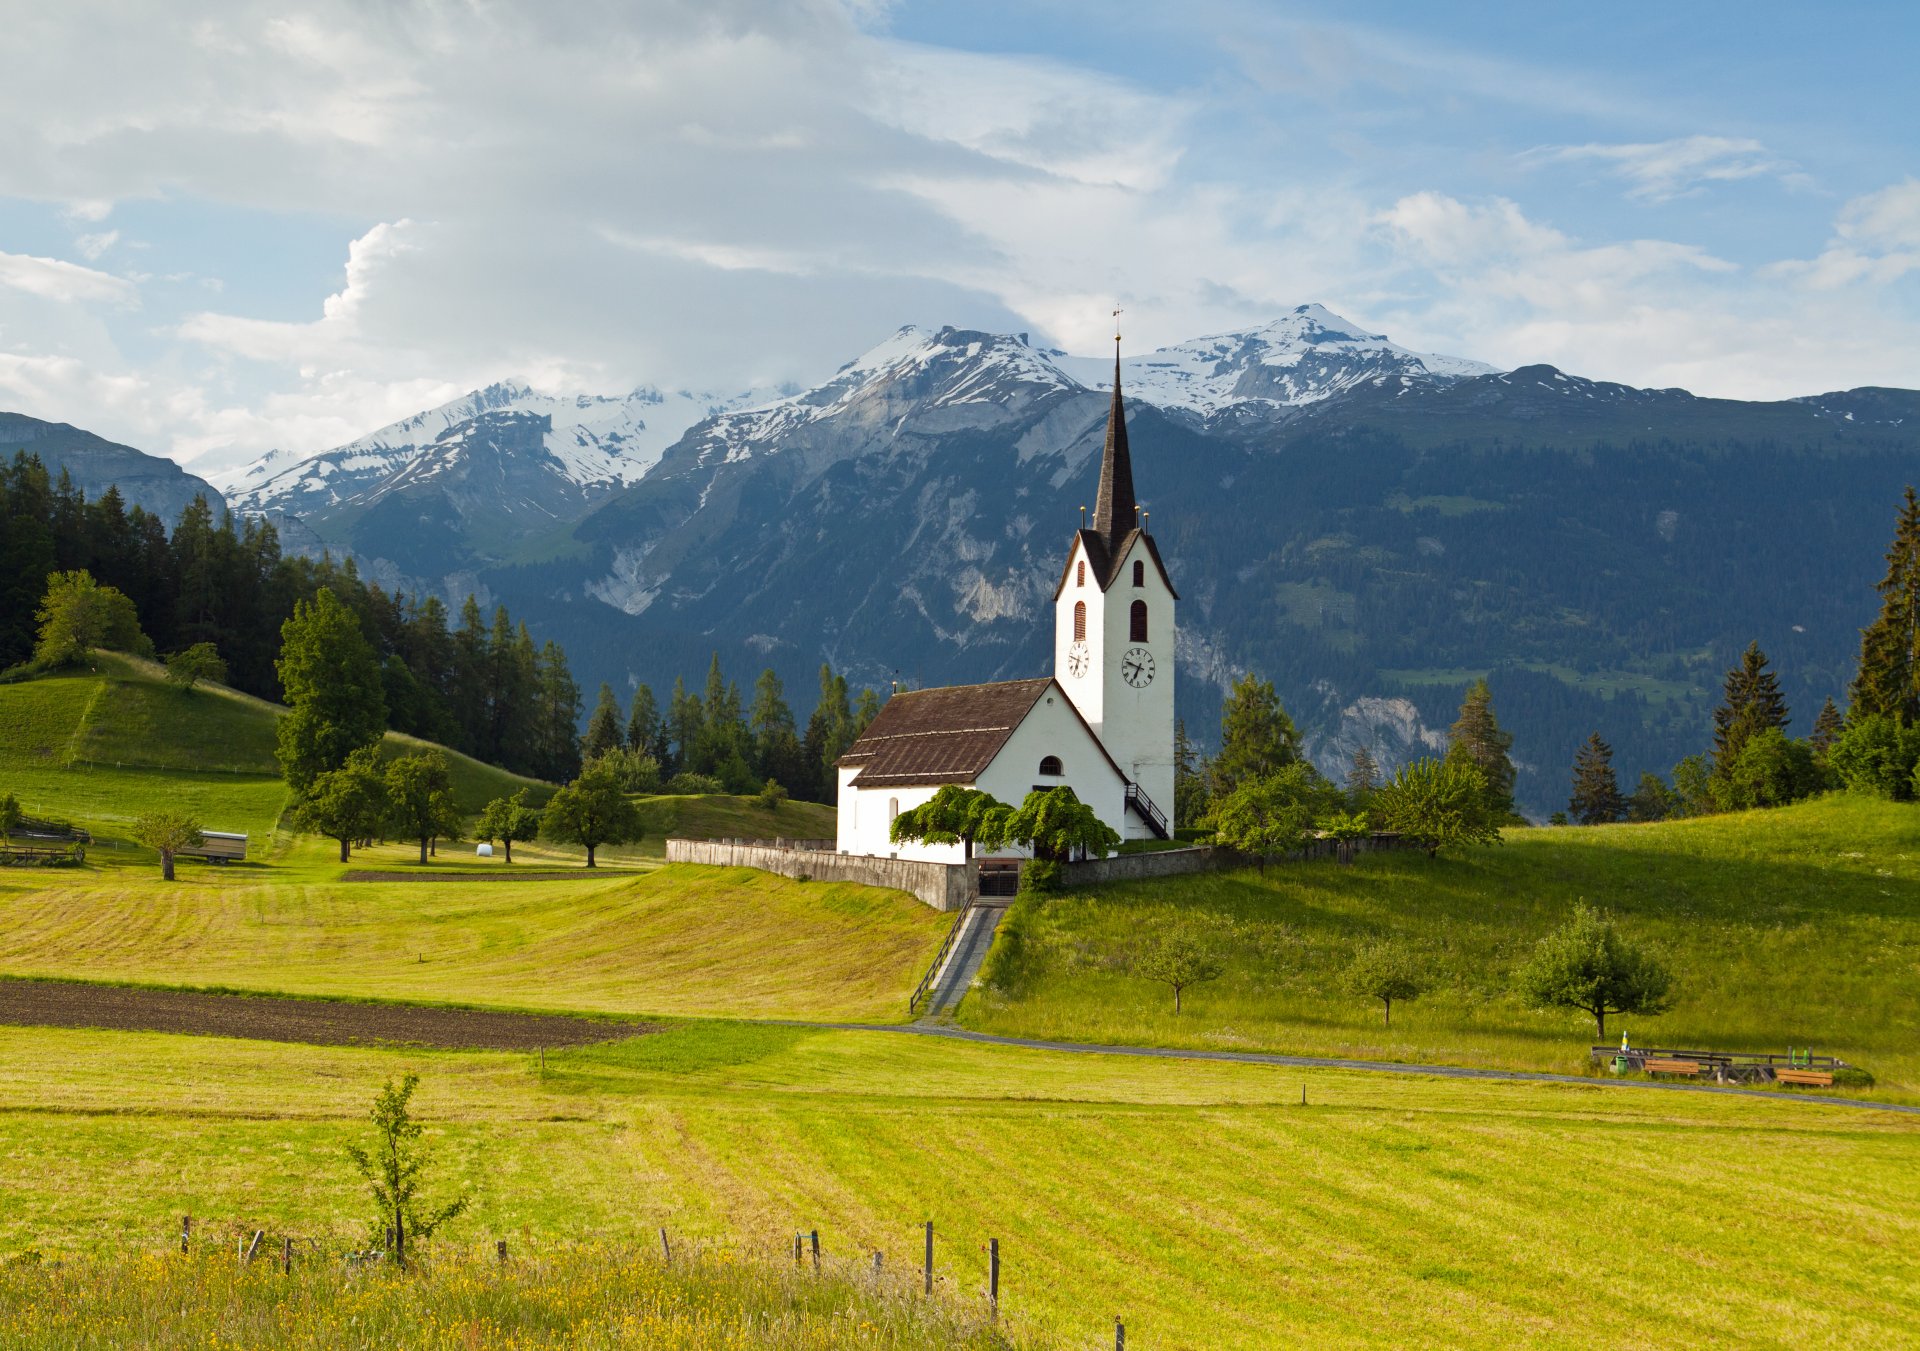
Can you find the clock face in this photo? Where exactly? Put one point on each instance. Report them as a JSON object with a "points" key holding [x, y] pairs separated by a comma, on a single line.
{"points": [[1077, 659], [1136, 667]]}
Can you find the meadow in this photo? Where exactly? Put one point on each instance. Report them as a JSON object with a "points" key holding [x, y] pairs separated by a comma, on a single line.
{"points": [[1204, 1203], [1798, 926]]}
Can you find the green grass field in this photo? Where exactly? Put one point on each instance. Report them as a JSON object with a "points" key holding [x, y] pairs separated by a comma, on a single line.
{"points": [[1201, 1201], [1799, 926]]}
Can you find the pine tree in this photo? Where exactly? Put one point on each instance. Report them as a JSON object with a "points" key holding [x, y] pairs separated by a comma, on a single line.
{"points": [[688, 718], [829, 733], [1476, 734], [559, 716], [1826, 728], [777, 754], [1889, 678], [643, 724], [1363, 776], [1753, 703], [1190, 800], [1596, 792], [1257, 738], [470, 702], [603, 728]]}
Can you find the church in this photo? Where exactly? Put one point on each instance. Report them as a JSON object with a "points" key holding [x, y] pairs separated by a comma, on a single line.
{"points": [[1101, 724]]}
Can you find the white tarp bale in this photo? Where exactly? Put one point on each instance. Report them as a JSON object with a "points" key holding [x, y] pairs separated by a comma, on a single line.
{"points": [[483, 850]]}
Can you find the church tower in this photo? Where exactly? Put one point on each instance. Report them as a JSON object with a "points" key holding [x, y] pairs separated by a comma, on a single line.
{"points": [[1113, 634]]}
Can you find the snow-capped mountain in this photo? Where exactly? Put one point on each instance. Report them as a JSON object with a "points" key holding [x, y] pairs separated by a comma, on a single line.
{"points": [[589, 441], [1305, 357]]}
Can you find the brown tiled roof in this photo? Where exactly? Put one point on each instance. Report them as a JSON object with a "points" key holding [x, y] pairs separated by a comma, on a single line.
{"points": [[946, 735]]}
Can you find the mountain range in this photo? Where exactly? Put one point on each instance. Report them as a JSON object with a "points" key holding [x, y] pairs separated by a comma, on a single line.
{"points": [[1368, 526]]}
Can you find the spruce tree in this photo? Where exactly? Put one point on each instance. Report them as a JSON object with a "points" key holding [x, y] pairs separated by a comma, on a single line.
{"points": [[1889, 678], [1596, 792], [1827, 728], [1752, 703], [1476, 734], [1190, 800], [559, 716], [776, 746], [1363, 775], [688, 717], [643, 723], [603, 728], [1257, 738]]}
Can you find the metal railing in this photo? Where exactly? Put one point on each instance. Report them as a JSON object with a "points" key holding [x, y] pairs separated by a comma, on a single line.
{"points": [[1155, 818], [921, 990]]}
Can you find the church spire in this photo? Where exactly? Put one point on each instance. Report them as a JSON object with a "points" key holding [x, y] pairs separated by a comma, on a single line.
{"points": [[1113, 508]]}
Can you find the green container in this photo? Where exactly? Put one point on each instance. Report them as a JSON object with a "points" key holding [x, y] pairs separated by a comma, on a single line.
{"points": [[1619, 1064]]}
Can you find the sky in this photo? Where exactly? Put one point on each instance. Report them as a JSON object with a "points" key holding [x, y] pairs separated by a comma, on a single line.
{"points": [[230, 227]]}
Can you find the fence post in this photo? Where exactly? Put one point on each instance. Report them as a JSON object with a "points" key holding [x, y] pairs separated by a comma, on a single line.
{"points": [[929, 1288], [798, 1239], [666, 1249], [876, 1266], [500, 1249], [286, 1256], [254, 1246], [816, 1252], [186, 1231], [1119, 1335], [993, 1278]]}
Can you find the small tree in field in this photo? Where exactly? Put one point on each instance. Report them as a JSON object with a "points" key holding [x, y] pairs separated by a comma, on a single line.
{"points": [[9, 814], [1346, 829], [1271, 815], [349, 803], [1056, 824], [420, 799], [1439, 803], [78, 614], [1386, 972], [168, 832], [953, 815], [1586, 964], [199, 662], [592, 811], [771, 795], [507, 819], [393, 1169], [1180, 951]]}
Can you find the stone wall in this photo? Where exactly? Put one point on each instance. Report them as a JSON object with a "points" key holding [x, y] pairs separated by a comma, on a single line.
{"points": [[1207, 858], [944, 886]]}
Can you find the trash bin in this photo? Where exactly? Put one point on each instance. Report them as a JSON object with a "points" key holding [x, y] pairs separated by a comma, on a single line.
{"points": [[1620, 1065]]}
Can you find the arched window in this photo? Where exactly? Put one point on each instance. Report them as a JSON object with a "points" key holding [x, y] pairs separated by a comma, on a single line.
{"points": [[1080, 573], [1139, 617], [893, 809], [1050, 765], [1139, 573], [1079, 621]]}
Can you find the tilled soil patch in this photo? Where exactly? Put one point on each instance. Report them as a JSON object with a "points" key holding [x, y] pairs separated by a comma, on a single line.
{"points": [[317, 1022]]}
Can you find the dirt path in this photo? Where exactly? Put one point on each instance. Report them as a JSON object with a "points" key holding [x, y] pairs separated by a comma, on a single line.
{"points": [[317, 1022]]}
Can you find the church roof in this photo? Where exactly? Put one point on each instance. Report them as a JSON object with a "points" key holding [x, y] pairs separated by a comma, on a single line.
{"points": [[947, 735], [1113, 507], [1106, 564]]}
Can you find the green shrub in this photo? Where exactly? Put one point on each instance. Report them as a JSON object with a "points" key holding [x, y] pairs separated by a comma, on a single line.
{"points": [[1041, 877], [688, 784], [1875, 754]]}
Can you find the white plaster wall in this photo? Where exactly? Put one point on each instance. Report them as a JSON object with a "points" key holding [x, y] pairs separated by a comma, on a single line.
{"points": [[1085, 691], [1053, 729], [866, 816]]}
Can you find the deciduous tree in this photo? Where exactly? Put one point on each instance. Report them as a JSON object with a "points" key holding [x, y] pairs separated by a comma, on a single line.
{"points": [[1385, 971], [335, 702], [395, 1167], [591, 811], [954, 815], [167, 832], [1179, 950], [507, 819], [1271, 815], [1586, 964], [1438, 804], [77, 614], [420, 799], [348, 803], [1056, 825], [189, 667]]}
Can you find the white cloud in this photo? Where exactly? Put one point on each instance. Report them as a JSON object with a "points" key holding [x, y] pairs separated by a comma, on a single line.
{"points": [[53, 279], [1876, 239], [1659, 171], [91, 246]]}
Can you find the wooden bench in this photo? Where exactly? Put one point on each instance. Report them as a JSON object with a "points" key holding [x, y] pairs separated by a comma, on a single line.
{"points": [[1692, 1067], [1811, 1078]]}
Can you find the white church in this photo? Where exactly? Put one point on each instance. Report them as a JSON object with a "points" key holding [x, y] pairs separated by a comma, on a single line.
{"points": [[1101, 725]]}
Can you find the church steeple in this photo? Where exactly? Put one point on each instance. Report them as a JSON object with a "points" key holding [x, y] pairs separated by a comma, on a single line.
{"points": [[1113, 508]]}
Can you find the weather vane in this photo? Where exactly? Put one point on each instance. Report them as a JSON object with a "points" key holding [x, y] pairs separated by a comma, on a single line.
{"points": [[1116, 324]]}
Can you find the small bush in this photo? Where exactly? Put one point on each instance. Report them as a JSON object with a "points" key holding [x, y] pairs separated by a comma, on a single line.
{"points": [[1852, 1076], [1042, 877], [688, 784]]}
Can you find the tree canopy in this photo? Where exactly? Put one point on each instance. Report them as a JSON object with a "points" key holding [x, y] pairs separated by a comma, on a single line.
{"points": [[1438, 804], [591, 811], [954, 815], [1385, 971], [420, 799], [1257, 738], [1272, 815], [78, 614], [1587, 964], [189, 667], [335, 703], [1477, 735], [1888, 682], [1056, 825], [507, 819], [168, 832], [348, 803]]}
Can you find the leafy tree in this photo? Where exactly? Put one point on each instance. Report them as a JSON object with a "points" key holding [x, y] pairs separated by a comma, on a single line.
{"points": [[1385, 971], [771, 795], [1876, 754], [603, 728], [1056, 825], [77, 614], [1180, 950], [1693, 786], [1477, 735], [1652, 800], [1770, 770], [688, 784], [1596, 792], [348, 803], [1752, 704], [1272, 815], [1438, 804], [1190, 799], [507, 819], [1586, 964], [189, 667], [1257, 738], [9, 815], [1344, 829], [334, 697], [168, 832], [954, 815], [637, 772], [395, 1167], [420, 799], [1888, 683], [592, 811]]}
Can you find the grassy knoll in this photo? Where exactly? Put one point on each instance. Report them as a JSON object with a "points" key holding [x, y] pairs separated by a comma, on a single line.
{"points": [[1202, 1201], [678, 940], [718, 817], [1797, 926]]}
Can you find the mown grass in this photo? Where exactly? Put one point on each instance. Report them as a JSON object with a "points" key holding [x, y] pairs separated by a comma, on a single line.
{"points": [[718, 817], [1201, 1201], [679, 940], [1795, 927], [592, 1296]]}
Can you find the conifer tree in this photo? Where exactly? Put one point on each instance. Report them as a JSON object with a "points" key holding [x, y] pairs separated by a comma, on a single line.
{"points": [[1827, 728], [1889, 678], [1190, 799], [469, 701], [558, 716], [644, 725], [1363, 776], [1596, 792], [1477, 735], [688, 717], [1752, 703], [1257, 738], [828, 734], [777, 754], [603, 728], [333, 690]]}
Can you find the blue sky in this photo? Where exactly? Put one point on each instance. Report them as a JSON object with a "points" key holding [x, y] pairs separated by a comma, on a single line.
{"points": [[260, 225]]}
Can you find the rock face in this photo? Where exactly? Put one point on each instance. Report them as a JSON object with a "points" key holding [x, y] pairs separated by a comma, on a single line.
{"points": [[159, 485], [1367, 526]]}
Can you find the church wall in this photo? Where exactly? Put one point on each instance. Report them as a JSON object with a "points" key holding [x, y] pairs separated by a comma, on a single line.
{"points": [[1138, 723], [1085, 690], [1053, 729]]}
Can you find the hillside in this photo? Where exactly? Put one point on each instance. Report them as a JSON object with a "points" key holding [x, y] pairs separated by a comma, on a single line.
{"points": [[1793, 927], [154, 482]]}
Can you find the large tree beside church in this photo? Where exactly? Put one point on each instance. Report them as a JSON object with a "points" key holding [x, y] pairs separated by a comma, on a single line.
{"points": [[1257, 738]]}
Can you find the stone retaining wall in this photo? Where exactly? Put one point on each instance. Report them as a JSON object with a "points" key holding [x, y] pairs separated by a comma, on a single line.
{"points": [[944, 886], [1207, 858]]}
